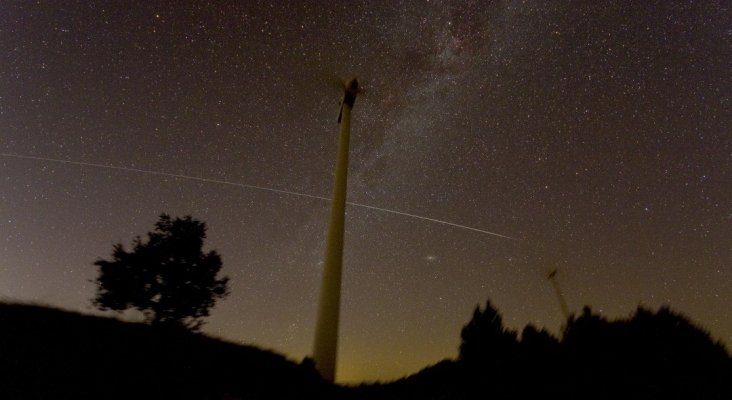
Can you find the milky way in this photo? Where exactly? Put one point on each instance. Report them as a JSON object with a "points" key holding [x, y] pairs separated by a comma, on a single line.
{"points": [[596, 133]]}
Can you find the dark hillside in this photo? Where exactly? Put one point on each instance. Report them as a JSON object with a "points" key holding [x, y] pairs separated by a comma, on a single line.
{"points": [[53, 354], [49, 353]]}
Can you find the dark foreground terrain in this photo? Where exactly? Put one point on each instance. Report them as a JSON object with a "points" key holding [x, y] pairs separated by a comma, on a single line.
{"points": [[53, 354]]}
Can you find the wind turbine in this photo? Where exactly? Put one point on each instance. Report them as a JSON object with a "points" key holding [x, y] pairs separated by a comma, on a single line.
{"points": [[326, 330], [552, 276]]}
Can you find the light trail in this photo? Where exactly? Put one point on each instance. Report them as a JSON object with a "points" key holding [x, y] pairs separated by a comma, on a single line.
{"points": [[431, 220], [242, 185], [168, 174]]}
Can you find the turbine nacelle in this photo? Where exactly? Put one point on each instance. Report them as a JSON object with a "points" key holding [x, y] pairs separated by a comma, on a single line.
{"points": [[351, 89]]}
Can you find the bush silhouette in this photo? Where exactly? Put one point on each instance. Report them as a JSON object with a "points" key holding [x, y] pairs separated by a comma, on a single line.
{"points": [[650, 355], [659, 354], [485, 341], [169, 278]]}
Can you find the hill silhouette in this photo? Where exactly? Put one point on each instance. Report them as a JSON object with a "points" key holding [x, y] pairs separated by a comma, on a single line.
{"points": [[49, 353]]}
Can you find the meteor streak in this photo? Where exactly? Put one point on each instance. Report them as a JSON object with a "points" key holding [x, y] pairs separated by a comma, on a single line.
{"points": [[158, 173], [242, 185], [432, 220]]}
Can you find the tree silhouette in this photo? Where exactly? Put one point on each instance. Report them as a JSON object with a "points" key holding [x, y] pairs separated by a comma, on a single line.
{"points": [[168, 278], [485, 340], [650, 355]]}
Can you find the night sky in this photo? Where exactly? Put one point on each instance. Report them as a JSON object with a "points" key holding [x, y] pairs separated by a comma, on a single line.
{"points": [[596, 134]]}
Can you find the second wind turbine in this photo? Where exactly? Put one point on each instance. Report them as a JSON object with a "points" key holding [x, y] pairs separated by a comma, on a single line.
{"points": [[326, 330]]}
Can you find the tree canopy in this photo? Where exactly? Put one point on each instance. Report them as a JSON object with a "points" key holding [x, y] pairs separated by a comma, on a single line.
{"points": [[168, 277], [484, 338]]}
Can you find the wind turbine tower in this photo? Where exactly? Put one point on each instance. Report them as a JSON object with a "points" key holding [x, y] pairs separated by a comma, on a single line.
{"points": [[552, 276], [326, 330]]}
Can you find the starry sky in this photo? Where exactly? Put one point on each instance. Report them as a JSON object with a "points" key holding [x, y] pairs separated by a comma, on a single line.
{"points": [[595, 134]]}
